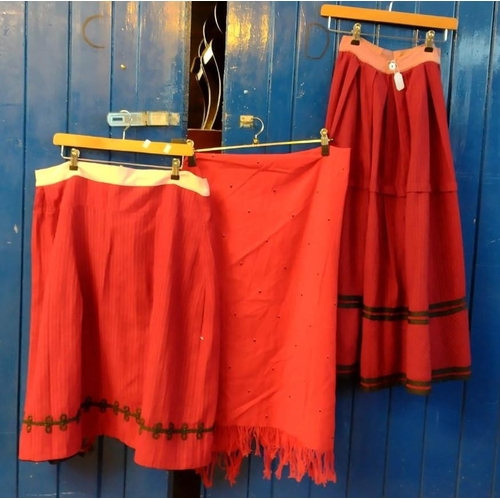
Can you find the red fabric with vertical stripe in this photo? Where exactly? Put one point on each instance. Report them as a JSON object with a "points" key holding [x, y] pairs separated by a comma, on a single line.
{"points": [[402, 312], [124, 327]]}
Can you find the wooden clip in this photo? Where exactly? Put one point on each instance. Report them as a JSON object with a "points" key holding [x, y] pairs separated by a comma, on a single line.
{"points": [[73, 163], [356, 34], [429, 41], [176, 166]]}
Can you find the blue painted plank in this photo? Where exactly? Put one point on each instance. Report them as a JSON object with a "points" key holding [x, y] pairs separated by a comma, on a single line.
{"points": [[442, 428], [368, 444], [313, 73], [46, 92], [290, 488], [141, 482], [446, 48], [12, 73], [247, 55], [479, 446], [78, 477], [481, 410], [88, 103], [124, 72], [467, 124], [89, 90], [113, 469], [492, 169], [258, 487], [162, 70], [404, 444], [278, 120]]}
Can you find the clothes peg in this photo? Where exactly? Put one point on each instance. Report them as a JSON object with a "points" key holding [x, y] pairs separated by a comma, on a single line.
{"points": [[325, 141], [176, 166], [356, 34], [73, 163], [429, 41]]}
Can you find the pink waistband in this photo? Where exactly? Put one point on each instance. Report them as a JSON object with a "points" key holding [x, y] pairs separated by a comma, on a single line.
{"points": [[379, 58]]}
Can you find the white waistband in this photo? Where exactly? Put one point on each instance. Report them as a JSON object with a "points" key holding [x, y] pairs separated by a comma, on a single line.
{"points": [[120, 176]]}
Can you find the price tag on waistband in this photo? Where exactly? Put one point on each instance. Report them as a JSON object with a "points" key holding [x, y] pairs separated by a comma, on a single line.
{"points": [[398, 81]]}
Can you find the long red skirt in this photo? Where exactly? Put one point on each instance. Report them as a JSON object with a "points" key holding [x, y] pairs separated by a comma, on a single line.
{"points": [[402, 310], [278, 218], [124, 325]]}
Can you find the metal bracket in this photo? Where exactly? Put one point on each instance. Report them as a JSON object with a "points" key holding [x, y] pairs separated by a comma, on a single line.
{"points": [[246, 121], [143, 118]]}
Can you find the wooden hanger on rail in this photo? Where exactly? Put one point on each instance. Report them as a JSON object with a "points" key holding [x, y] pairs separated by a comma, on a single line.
{"points": [[75, 141], [180, 148], [389, 16]]}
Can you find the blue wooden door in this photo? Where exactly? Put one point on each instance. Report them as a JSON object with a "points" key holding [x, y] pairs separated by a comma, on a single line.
{"points": [[57, 76], [63, 67], [280, 58]]}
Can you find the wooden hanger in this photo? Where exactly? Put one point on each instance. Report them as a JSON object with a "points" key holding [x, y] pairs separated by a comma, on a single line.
{"points": [[124, 145], [379, 16], [389, 17]]}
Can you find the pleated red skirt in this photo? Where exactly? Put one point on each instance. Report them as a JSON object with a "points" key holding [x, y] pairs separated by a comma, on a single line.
{"points": [[124, 325], [278, 220], [402, 308]]}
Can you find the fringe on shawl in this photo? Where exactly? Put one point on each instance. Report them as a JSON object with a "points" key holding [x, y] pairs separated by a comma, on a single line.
{"points": [[233, 444]]}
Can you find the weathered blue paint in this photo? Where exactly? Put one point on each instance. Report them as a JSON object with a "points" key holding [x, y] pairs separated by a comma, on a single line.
{"points": [[279, 64], [480, 417], [54, 80], [12, 120], [79, 477], [391, 443], [46, 97]]}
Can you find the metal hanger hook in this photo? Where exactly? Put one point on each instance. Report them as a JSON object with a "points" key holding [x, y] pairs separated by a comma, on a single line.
{"points": [[129, 124], [256, 136], [390, 6]]}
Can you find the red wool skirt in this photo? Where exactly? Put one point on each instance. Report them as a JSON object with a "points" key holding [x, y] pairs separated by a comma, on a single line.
{"points": [[124, 326], [402, 310], [278, 220]]}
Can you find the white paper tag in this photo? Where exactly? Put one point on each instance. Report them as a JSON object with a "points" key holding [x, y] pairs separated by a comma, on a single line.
{"points": [[398, 81]]}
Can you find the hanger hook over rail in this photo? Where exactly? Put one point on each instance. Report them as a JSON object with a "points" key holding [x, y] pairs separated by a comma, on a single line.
{"points": [[129, 124], [256, 136]]}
